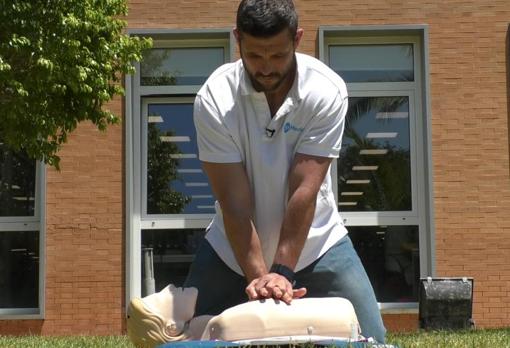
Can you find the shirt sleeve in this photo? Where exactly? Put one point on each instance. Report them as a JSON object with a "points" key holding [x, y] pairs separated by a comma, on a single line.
{"points": [[215, 144], [323, 136]]}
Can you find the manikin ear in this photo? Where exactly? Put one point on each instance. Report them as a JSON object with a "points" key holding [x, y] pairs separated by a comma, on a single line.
{"points": [[298, 37]]}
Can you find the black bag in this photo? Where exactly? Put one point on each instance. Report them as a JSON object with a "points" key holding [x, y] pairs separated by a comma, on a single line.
{"points": [[446, 303]]}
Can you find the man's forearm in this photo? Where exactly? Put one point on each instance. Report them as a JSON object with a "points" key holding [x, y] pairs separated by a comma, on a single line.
{"points": [[232, 189], [295, 227], [245, 243]]}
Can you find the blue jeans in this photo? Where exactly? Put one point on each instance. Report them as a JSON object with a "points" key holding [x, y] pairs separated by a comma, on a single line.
{"points": [[338, 273]]}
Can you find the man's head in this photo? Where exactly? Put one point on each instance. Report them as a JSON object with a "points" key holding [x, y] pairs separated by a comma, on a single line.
{"points": [[268, 36], [265, 18]]}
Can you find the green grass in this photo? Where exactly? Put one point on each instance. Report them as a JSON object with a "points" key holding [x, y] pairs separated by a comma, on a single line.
{"points": [[65, 342], [460, 339], [447, 339]]}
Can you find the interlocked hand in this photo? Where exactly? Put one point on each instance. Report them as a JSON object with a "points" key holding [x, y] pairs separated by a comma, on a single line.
{"points": [[273, 285]]}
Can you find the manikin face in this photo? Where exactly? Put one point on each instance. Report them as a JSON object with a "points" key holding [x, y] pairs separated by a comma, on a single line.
{"points": [[184, 300], [175, 305], [269, 62]]}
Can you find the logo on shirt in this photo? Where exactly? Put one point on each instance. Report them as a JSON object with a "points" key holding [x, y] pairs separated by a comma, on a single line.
{"points": [[290, 127]]}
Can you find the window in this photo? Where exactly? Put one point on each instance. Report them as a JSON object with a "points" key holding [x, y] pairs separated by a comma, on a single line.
{"points": [[171, 202], [182, 66], [21, 282], [175, 182], [374, 169], [390, 255], [172, 251], [17, 189], [381, 177], [373, 62], [19, 253]]}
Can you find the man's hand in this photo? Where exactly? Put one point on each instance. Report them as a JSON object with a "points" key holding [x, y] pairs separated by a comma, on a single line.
{"points": [[273, 285]]}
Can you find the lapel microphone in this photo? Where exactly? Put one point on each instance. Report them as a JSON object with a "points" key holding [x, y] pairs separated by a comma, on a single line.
{"points": [[270, 132]]}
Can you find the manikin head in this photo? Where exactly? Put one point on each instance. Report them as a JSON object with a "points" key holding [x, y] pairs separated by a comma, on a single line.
{"points": [[267, 33], [177, 304], [161, 317]]}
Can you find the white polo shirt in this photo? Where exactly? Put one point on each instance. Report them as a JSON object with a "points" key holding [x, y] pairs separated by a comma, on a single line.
{"points": [[234, 124]]}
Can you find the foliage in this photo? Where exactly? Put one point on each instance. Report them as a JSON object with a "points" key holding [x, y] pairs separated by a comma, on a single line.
{"points": [[60, 62]]}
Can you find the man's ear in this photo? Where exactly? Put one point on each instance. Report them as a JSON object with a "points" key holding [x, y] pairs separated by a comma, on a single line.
{"points": [[298, 37], [237, 35]]}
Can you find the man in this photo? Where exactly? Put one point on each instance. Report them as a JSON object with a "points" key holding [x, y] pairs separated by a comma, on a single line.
{"points": [[268, 127]]}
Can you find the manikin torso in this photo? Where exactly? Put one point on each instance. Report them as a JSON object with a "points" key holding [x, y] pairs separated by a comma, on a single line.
{"points": [[168, 316]]}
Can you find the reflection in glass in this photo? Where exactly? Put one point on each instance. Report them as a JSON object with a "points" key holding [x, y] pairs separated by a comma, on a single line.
{"points": [[19, 269], [390, 255], [173, 252], [162, 170], [176, 183], [179, 66], [373, 63], [17, 183], [374, 169]]}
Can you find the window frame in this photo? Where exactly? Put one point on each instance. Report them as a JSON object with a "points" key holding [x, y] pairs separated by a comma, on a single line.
{"points": [[419, 127], [12, 224], [137, 98]]}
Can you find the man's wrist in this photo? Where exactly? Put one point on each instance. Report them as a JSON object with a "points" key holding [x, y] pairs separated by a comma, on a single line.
{"points": [[283, 270]]}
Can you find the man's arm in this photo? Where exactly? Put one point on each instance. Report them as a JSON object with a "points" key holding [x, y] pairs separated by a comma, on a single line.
{"points": [[305, 178], [231, 187]]}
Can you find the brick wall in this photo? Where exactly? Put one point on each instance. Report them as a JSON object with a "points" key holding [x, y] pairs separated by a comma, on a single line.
{"points": [[470, 95], [84, 238], [85, 235], [400, 322]]}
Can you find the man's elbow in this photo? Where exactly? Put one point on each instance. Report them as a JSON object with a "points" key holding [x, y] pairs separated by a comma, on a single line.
{"points": [[305, 192], [236, 210]]}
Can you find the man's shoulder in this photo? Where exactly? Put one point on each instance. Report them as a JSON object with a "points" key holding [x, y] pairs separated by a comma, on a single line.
{"points": [[223, 81], [317, 77]]}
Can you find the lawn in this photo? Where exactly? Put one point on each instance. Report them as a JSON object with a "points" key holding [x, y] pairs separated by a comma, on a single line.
{"points": [[471, 339]]}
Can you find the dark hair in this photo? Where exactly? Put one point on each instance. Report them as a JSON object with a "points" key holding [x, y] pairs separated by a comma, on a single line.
{"points": [[265, 18]]}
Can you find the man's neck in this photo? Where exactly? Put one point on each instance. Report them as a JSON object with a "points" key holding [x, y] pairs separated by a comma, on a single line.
{"points": [[276, 98]]}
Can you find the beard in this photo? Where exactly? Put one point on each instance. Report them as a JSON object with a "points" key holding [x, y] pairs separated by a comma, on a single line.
{"points": [[273, 81]]}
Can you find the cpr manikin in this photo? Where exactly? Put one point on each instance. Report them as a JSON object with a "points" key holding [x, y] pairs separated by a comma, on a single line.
{"points": [[167, 316]]}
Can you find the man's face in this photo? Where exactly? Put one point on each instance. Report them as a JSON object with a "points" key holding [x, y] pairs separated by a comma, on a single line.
{"points": [[269, 62]]}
